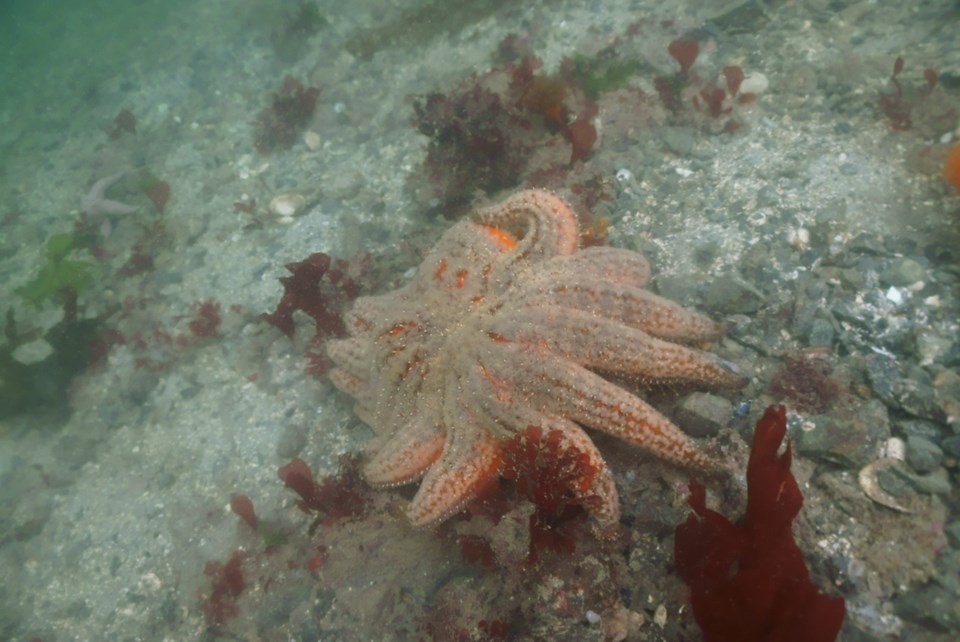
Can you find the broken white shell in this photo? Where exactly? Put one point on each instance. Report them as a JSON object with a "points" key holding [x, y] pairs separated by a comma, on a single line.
{"points": [[755, 83], [287, 204], [871, 486]]}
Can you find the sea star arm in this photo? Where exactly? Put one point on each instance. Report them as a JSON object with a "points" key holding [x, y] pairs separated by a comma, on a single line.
{"points": [[599, 343], [470, 458], [598, 492], [95, 202], [551, 226], [574, 392], [631, 306], [405, 455], [603, 263]]}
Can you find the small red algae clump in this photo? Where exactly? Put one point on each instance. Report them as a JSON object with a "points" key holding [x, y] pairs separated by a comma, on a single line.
{"points": [[493, 130], [922, 107], [243, 506], [748, 581], [549, 473], [331, 499], [206, 323], [687, 88], [159, 193], [124, 123], [685, 52], [227, 583], [290, 111], [805, 380], [319, 287], [951, 165]]}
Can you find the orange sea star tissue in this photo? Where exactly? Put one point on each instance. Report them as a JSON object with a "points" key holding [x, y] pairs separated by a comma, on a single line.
{"points": [[508, 325]]}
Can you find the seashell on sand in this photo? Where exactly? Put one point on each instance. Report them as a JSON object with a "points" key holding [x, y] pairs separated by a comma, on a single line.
{"points": [[287, 204]]}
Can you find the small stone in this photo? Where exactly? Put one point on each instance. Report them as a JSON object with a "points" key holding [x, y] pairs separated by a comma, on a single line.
{"points": [[732, 295], [931, 346], [900, 481], [883, 374], [930, 604], [895, 480], [767, 196], [593, 617], [903, 272], [292, 441], [936, 483], [846, 438], [923, 455], [679, 140], [946, 387], [953, 533], [852, 279], [932, 431], [821, 333], [917, 395], [952, 445], [30, 516], [703, 415]]}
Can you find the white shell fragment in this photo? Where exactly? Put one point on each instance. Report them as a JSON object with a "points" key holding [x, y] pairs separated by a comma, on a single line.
{"points": [[755, 83], [287, 204], [312, 140], [660, 616], [871, 487], [33, 352]]}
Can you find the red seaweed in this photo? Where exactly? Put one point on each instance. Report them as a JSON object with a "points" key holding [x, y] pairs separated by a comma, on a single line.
{"points": [[748, 581], [685, 52], [582, 135], [547, 472], [227, 583], [476, 549], [805, 380], [138, 262], [242, 506], [159, 193], [495, 129], [124, 123], [733, 74], [289, 112], [319, 288], [331, 499], [206, 323]]}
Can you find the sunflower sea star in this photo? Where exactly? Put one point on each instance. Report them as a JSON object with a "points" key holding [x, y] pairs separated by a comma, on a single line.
{"points": [[506, 325]]}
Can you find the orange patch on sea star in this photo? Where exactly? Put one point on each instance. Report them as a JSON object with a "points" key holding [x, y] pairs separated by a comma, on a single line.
{"points": [[504, 239]]}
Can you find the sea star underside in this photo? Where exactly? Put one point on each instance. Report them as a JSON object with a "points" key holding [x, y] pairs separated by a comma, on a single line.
{"points": [[508, 324]]}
